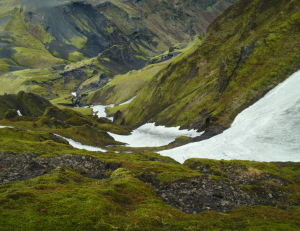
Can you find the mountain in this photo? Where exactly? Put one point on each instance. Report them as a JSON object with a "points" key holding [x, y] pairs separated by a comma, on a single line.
{"points": [[60, 167], [41, 33], [248, 50]]}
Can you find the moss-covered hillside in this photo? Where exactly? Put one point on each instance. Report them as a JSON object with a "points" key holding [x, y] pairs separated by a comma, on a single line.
{"points": [[250, 48], [47, 184], [44, 33]]}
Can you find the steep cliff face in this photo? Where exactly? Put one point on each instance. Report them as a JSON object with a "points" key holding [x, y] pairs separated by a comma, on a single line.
{"points": [[47, 33], [250, 48]]}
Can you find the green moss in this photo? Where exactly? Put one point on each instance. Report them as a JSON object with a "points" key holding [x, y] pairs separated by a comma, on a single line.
{"points": [[78, 42], [75, 56], [215, 83], [125, 86], [141, 57], [118, 203]]}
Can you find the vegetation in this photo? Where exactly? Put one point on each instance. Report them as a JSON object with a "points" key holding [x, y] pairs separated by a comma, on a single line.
{"points": [[249, 37], [124, 87], [247, 51]]}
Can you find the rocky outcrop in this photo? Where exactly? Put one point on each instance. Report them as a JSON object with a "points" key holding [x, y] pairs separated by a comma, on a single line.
{"points": [[16, 167], [222, 194]]}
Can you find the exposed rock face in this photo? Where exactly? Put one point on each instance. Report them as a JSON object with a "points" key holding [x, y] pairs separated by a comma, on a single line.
{"points": [[27, 166]]}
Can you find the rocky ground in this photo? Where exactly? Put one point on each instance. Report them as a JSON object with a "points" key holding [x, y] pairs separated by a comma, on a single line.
{"points": [[24, 167], [193, 195]]}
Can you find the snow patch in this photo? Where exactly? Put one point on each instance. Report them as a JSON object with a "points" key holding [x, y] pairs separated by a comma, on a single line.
{"points": [[5, 127], [19, 113], [110, 118], [150, 135], [266, 131], [82, 146], [127, 102], [99, 110], [74, 94]]}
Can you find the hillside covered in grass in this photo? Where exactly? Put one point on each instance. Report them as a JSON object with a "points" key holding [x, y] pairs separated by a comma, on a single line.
{"points": [[40, 33], [152, 61], [248, 49]]}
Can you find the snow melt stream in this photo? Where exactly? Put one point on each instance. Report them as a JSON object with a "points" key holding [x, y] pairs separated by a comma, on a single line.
{"points": [[150, 135], [269, 130]]}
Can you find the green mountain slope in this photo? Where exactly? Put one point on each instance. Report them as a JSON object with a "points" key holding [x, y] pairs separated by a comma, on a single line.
{"points": [[44, 33], [250, 48], [46, 184]]}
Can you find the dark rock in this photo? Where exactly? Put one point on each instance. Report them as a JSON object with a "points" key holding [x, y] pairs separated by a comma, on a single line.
{"points": [[24, 167], [113, 165], [118, 116], [10, 114]]}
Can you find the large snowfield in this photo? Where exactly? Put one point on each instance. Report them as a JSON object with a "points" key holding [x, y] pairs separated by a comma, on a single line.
{"points": [[267, 131]]}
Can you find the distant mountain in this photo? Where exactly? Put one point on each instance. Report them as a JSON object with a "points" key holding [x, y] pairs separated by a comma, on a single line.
{"points": [[41, 33]]}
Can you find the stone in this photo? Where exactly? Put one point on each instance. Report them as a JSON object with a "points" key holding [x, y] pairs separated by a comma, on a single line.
{"points": [[163, 195], [270, 195]]}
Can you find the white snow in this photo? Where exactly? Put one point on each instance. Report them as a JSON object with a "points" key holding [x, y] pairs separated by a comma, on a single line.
{"points": [[19, 113], [99, 110], [74, 94], [82, 146], [110, 118], [5, 127], [267, 131], [150, 135], [127, 102]]}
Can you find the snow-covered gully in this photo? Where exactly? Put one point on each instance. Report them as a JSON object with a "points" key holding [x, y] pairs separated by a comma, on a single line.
{"points": [[267, 131]]}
